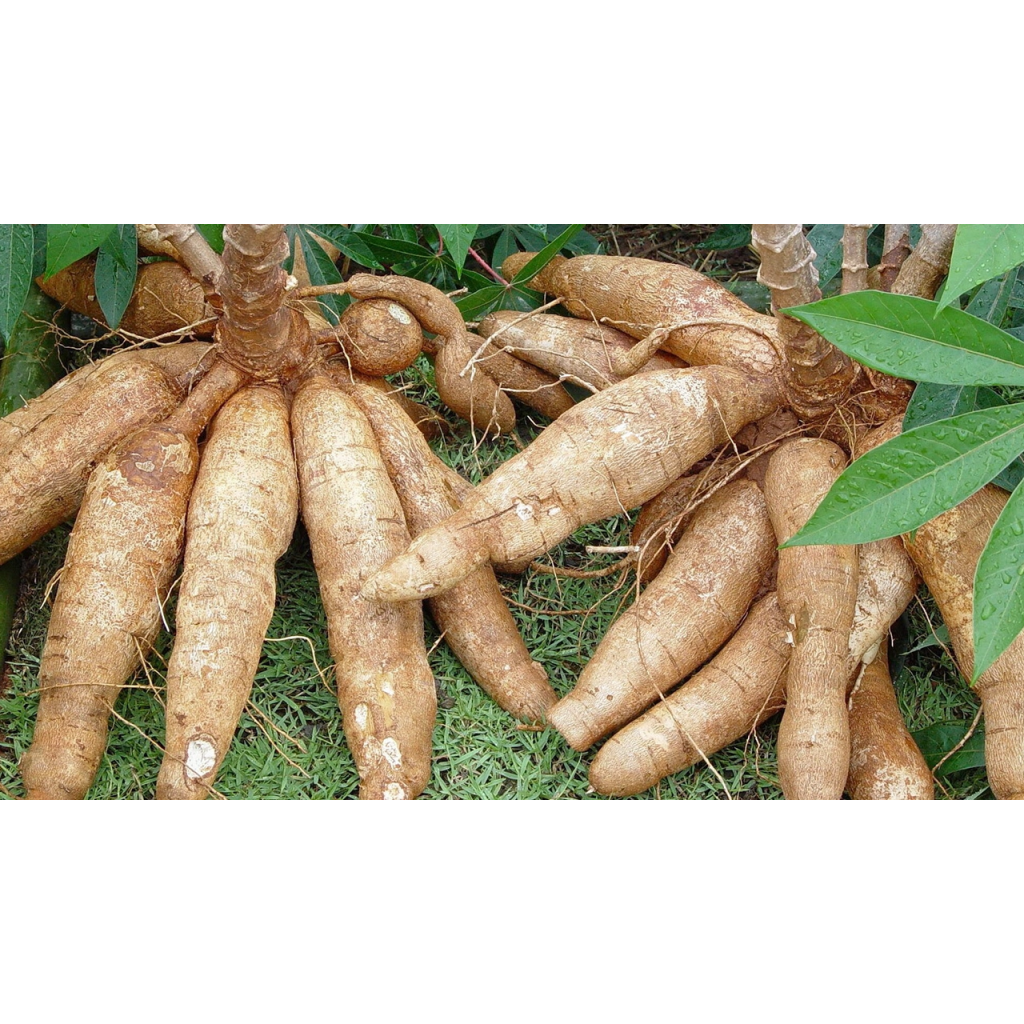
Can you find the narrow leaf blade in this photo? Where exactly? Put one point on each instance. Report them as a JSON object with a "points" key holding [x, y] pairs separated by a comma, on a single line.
{"points": [[903, 336], [458, 238], [16, 252], [981, 252], [66, 243], [116, 270], [999, 586], [321, 270], [902, 484], [546, 255]]}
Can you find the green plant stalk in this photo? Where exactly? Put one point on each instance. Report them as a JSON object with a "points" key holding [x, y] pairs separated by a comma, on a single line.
{"points": [[30, 366]]}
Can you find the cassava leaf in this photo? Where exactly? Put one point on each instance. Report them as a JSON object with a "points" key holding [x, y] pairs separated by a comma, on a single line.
{"points": [[902, 484], [827, 242], [349, 241], [726, 236], [546, 255], [16, 251], [478, 304], [504, 246], [116, 269], [999, 586], [903, 336], [457, 238], [931, 402], [321, 270], [992, 299], [405, 232], [981, 252], [66, 243], [939, 739]]}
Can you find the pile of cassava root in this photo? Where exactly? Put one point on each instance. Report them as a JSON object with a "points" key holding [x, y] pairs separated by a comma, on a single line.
{"points": [[192, 461]]}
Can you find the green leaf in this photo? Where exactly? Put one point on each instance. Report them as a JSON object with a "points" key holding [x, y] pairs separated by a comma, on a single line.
{"points": [[726, 236], [214, 235], [981, 252], [479, 303], [503, 248], [321, 270], [938, 637], [754, 294], [16, 251], [546, 255], [999, 586], [903, 336], [939, 739], [66, 243], [116, 269], [458, 238], [405, 232], [931, 402], [349, 242], [902, 484], [827, 242], [992, 299]]}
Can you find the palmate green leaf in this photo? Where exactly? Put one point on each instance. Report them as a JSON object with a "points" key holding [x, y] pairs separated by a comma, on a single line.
{"points": [[902, 484], [116, 269], [16, 250], [939, 739], [931, 402], [457, 238], [546, 255], [349, 241], [903, 336], [66, 243], [981, 252], [999, 586]]}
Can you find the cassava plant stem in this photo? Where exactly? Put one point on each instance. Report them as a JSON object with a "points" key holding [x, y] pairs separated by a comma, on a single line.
{"points": [[818, 376]]}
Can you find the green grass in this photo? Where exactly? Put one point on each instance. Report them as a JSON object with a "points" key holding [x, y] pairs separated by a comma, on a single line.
{"points": [[290, 743]]}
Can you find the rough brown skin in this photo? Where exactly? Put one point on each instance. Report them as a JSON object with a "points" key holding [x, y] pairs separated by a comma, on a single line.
{"points": [[240, 521], [473, 615], [43, 475], [662, 520], [742, 686], [946, 551], [638, 296], [166, 298], [607, 454], [379, 336], [355, 523], [579, 350], [471, 393], [122, 556], [885, 762], [430, 424], [817, 592], [522, 381], [184, 362], [680, 620]]}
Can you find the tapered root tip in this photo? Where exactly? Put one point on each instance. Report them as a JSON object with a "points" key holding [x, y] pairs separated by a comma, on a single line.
{"points": [[620, 769], [574, 723], [434, 563]]}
